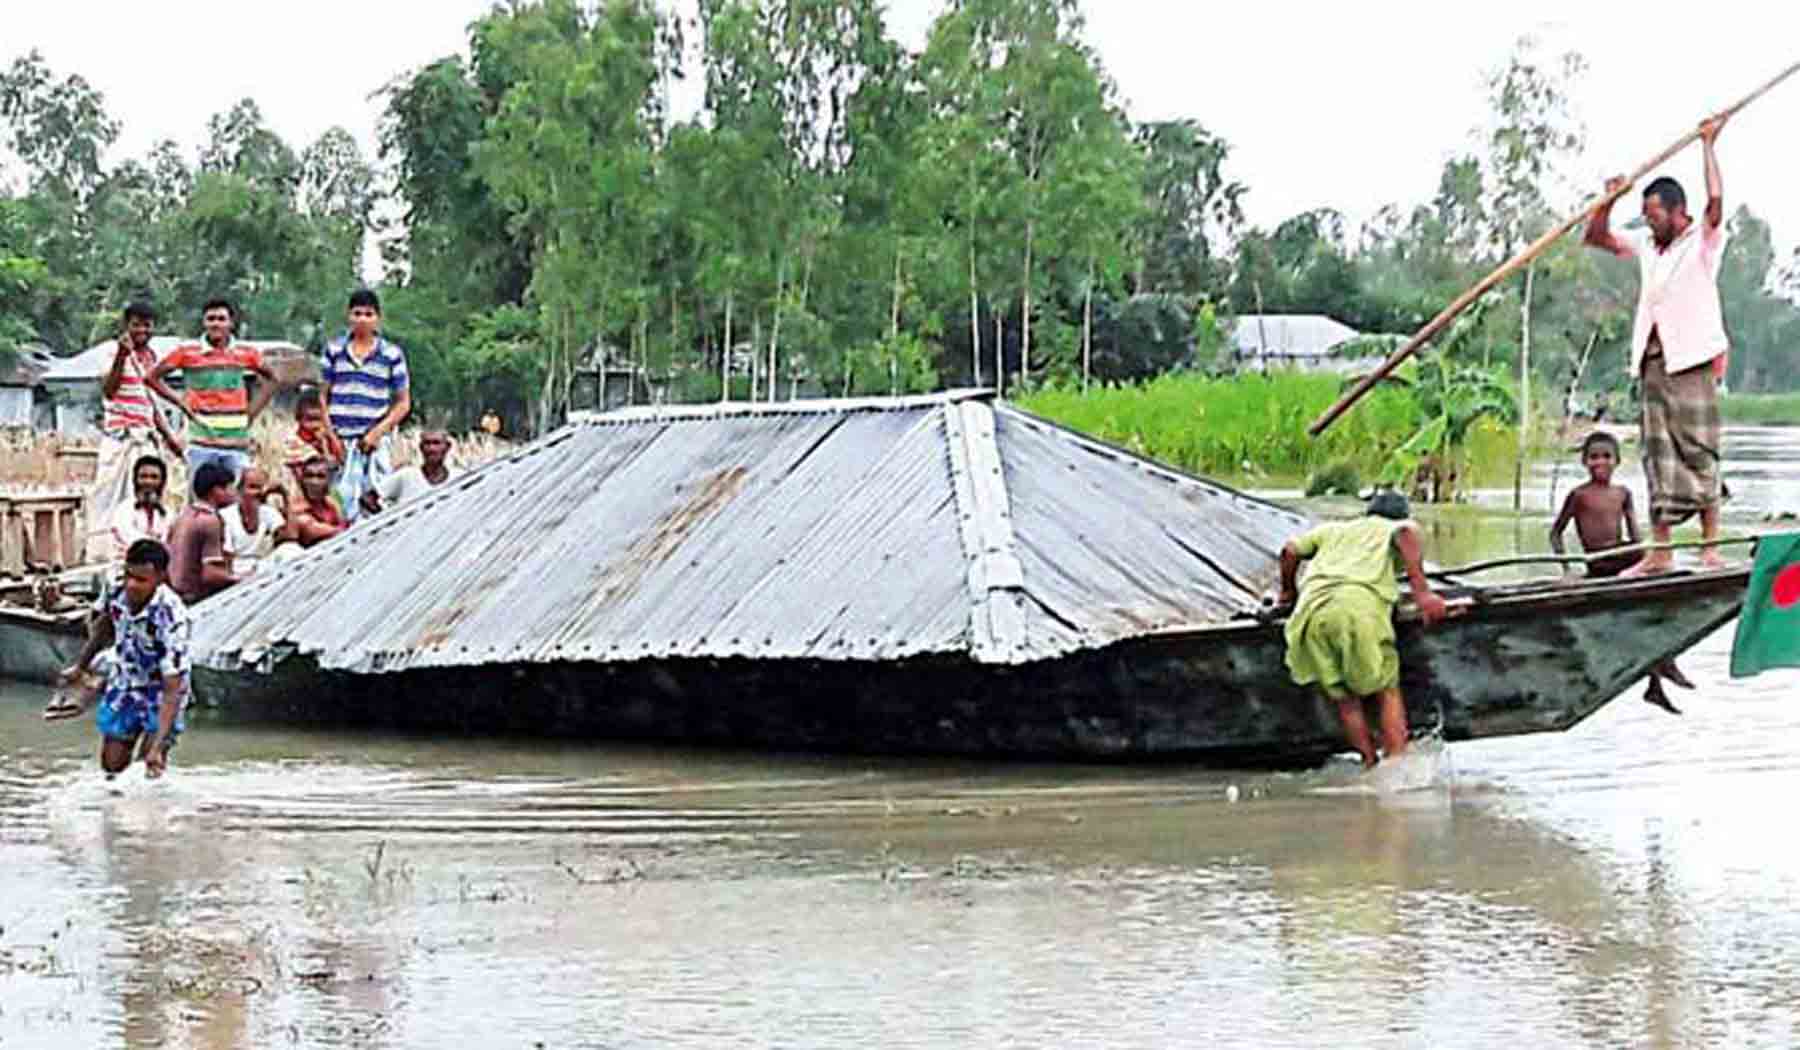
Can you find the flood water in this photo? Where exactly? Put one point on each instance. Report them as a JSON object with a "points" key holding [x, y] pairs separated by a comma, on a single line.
{"points": [[1630, 883]]}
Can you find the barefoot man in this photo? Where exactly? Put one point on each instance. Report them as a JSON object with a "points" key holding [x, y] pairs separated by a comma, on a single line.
{"points": [[1341, 633], [1678, 348], [145, 624]]}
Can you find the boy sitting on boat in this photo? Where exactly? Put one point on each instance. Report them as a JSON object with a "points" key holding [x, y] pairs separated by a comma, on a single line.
{"points": [[1604, 519], [144, 625], [1341, 632]]}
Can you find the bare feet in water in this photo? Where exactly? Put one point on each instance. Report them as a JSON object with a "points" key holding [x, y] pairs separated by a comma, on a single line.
{"points": [[1711, 559]]}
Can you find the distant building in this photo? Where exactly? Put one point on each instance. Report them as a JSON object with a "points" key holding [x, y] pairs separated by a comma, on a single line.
{"points": [[1261, 342]]}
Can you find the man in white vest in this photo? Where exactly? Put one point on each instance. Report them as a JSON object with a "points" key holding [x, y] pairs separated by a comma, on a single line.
{"points": [[1678, 349]]}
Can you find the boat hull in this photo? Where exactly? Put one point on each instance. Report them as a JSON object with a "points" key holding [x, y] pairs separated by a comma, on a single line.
{"points": [[34, 646], [1527, 659]]}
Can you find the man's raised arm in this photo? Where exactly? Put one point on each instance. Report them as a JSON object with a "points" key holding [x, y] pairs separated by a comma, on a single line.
{"points": [[1715, 191]]}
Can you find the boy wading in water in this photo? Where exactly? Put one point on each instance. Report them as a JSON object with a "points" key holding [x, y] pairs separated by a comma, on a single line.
{"points": [[1604, 519], [145, 624], [1341, 633]]}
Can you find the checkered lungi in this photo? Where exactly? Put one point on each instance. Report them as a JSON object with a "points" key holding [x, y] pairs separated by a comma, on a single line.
{"points": [[1680, 434]]}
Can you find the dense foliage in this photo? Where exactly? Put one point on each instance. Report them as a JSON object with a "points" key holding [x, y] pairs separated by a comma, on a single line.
{"points": [[841, 216]]}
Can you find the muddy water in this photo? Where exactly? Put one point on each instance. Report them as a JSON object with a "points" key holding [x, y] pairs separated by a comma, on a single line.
{"points": [[1630, 883]]}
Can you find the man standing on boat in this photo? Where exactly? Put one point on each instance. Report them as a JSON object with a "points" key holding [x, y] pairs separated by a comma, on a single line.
{"points": [[1678, 349], [131, 427], [216, 373], [1341, 632], [368, 394]]}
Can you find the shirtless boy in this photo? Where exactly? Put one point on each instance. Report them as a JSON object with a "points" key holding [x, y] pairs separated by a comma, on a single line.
{"points": [[1604, 518]]}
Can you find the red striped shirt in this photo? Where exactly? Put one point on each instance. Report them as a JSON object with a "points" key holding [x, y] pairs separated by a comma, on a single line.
{"points": [[129, 409]]}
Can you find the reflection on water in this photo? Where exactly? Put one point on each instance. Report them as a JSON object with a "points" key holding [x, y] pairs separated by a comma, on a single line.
{"points": [[1630, 883]]}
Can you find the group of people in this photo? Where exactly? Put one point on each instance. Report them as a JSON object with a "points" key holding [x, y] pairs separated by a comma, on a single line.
{"points": [[1340, 636], [338, 462]]}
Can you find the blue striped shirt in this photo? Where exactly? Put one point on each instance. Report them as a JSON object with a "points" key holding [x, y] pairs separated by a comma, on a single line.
{"points": [[362, 393]]}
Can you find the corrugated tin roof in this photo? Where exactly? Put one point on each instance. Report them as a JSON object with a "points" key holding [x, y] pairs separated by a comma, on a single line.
{"points": [[843, 530]]}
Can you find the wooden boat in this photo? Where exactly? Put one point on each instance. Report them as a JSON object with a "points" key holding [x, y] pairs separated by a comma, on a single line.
{"points": [[35, 645], [1526, 658], [935, 575]]}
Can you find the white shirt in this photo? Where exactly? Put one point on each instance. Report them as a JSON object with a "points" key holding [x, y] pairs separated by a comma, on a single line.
{"points": [[1678, 296], [409, 483], [129, 523], [246, 549]]}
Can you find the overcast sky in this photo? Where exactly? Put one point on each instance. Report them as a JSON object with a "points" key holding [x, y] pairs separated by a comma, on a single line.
{"points": [[1347, 105]]}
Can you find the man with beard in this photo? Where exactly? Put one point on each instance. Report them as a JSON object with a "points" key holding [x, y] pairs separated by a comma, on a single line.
{"points": [[144, 517], [1678, 348]]}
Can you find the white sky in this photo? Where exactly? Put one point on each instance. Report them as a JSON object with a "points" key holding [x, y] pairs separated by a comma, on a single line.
{"points": [[1351, 106]]}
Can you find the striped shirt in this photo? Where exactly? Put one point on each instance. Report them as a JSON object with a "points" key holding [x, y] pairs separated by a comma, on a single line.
{"points": [[216, 391], [128, 410], [362, 392]]}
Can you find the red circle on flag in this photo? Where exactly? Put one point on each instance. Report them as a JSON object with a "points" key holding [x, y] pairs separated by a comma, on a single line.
{"points": [[1786, 588]]}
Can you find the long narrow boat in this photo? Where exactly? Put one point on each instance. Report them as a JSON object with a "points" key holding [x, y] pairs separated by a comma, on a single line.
{"points": [[35, 645], [941, 575], [1528, 658]]}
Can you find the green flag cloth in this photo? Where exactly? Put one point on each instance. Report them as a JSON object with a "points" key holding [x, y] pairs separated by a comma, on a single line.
{"points": [[1768, 630]]}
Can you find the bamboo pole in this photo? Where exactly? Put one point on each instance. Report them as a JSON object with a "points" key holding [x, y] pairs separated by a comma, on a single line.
{"points": [[1523, 258], [1603, 555]]}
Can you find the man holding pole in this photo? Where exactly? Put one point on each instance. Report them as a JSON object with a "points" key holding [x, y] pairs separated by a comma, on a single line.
{"points": [[1678, 349]]}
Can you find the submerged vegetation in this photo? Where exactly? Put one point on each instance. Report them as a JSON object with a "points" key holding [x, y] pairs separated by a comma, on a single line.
{"points": [[1255, 424]]}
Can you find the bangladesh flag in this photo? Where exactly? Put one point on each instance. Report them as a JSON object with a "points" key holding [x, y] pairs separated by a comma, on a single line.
{"points": [[1768, 630]]}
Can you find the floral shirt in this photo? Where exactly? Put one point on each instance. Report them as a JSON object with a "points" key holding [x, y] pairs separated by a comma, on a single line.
{"points": [[148, 645]]}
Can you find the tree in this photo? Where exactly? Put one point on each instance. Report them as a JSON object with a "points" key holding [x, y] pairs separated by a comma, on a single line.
{"points": [[1534, 129], [568, 153], [1192, 211]]}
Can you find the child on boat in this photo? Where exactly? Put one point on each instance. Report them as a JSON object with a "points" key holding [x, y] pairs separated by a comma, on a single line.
{"points": [[312, 437], [1341, 632], [145, 625], [1604, 519]]}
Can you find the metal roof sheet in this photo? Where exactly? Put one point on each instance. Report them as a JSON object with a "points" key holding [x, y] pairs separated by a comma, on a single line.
{"points": [[871, 529]]}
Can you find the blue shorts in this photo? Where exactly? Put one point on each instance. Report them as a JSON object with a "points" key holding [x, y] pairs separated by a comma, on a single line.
{"points": [[126, 714]]}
